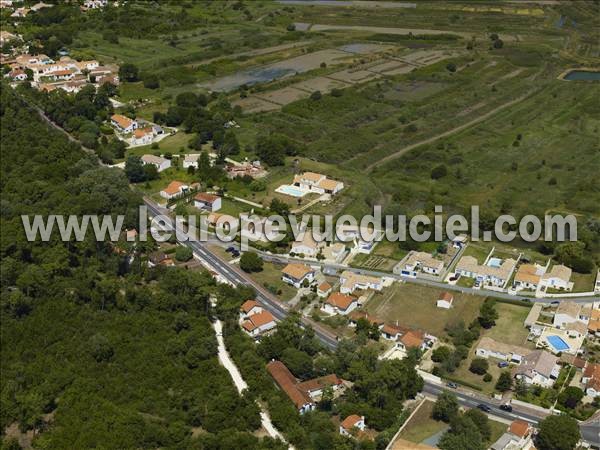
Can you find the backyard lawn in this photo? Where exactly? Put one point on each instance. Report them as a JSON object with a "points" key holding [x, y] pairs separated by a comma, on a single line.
{"points": [[421, 425], [415, 306], [270, 278], [509, 326]]}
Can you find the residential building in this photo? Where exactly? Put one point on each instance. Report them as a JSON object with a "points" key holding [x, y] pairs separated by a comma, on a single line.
{"points": [[142, 136], [539, 368], [518, 437], [123, 123], [558, 278], [411, 339], [191, 160], [307, 246], [416, 262], [209, 202], [256, 324], [157, 161], [528, 276], [248, 308], [445, 300], [334, 252], [297, 274], [489, 348], [17, 75], [392, 332], [324, 289], [594, 323], [288, 384], [339, 304], [303, 394], [246, 169], [495, 275], [318, 183], [352, 424], [568, 312], [351, 281], [222, 220], [174, 189], [355, 316], [591, 379]]}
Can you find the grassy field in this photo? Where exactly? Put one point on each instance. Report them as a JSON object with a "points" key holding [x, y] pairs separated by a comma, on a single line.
{"points": [[415, 306], [421, 425], [270, 277], [509, 326]]}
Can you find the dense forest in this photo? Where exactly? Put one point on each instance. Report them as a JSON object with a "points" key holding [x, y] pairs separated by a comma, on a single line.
{"points": [[97, 352]]}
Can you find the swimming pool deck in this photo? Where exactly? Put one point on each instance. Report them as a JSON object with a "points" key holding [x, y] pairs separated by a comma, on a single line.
{"points": [[574, 343]]}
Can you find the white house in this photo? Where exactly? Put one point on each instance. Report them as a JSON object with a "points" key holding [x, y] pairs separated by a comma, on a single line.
{"points": [[559, 278], [288, 384], [392, 332], [248, 308], [528, 276], [493, 273], [256, 324], [206, 201], [17, 75], [174, 189], [318, 183], [445, 300], [297, 274], [518, 436], [123, 124], [339, 304], [351, 281], [488, 347], [324, 289], [191, 160], [159, 162], [142, 136], [307, 246], [538, 367], [352, 424], [416, 262], [568, 312]]}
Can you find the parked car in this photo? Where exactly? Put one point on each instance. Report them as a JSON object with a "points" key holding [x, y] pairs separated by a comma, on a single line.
{"points": [[506, 407], [484, 407], [452, 385], [235, 253], [230, 249], [502, 364]]}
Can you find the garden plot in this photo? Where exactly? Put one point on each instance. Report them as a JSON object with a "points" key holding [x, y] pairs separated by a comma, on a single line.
{"points": [[354, 76], [283, 96], [322, 84], [254, 104], [387, 66], [365, 49]]}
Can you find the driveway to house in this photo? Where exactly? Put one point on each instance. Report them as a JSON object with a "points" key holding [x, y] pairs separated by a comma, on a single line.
{"points": [[239, 382]]}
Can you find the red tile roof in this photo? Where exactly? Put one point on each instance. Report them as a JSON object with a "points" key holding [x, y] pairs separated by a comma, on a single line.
{"points": [[174, 187], [350, 421], [319, 383], [519, 428], [258, 320], [446, 296], [248, 305], [341, 301], [206, 198], [412, 339], [286, 381]]}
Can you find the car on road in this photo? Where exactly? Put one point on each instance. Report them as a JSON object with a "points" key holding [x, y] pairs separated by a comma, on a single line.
{"points": [[506, 407], [452, 385], [484, 407], [502, 364]]}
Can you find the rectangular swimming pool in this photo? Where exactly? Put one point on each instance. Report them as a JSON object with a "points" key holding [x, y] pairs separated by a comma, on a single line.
{"points": [[558, 343], [291, 190]]}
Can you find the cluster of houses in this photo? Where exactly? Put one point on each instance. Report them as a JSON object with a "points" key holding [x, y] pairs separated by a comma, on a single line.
{"points": [[136, 131], [175, 189], [245, 169], [560, 341], [494, 272], [24, 11], [416, 262], [306, 394], [535, 277], [255, 320], [67, 73]]}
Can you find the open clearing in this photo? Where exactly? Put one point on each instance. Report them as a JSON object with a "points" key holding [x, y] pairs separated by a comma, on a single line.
{"points": [[415, 306]]}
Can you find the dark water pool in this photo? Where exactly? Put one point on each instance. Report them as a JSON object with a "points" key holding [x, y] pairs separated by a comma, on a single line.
{"points": [[582, 75]]}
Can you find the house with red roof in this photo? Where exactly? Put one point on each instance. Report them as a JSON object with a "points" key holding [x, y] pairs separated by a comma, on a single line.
{"points": [[352, 424], [248, 308], [174, 189], [257, 324], [209, 202], [338, 303]]}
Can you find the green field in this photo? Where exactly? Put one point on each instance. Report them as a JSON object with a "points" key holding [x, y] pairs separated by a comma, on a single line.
{"points": [[414, 306]]}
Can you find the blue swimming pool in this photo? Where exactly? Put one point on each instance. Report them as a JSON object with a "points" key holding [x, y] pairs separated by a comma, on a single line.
{"points": [[558, 343], [291, 190], [494, 262]]}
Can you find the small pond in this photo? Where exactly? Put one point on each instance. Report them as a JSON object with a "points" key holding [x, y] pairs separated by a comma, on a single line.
{"points": [[582, 75]]}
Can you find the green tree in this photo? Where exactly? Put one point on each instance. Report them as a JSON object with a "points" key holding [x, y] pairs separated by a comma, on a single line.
{"points": [[128, 72], [487, 313], [251, 262], [570, 397], [504, 382], [134, 169], [479, 366], [440, 354], [183, 253], [445, 407], [481, 421], [439, 172], [558, 433]]}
